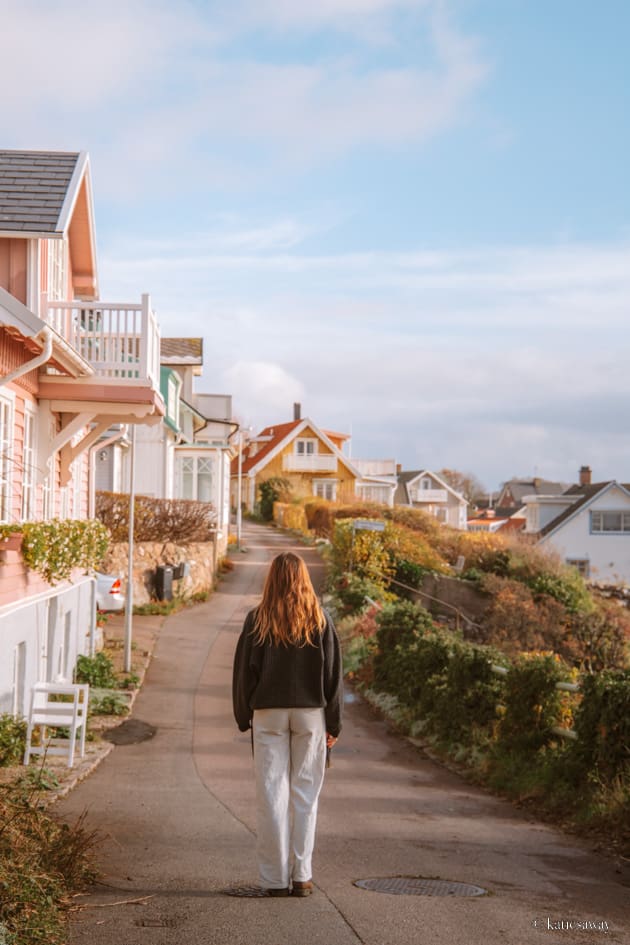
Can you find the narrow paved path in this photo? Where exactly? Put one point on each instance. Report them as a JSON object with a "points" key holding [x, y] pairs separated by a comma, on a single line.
{"points": [[179, 813]]}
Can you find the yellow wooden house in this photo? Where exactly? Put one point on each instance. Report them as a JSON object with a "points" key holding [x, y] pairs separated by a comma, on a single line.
{"points": [[308, 458]]}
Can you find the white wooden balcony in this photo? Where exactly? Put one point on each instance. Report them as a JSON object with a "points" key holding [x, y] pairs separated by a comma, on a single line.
{"points": [[119, 340], [309, 462], [429, 495]]}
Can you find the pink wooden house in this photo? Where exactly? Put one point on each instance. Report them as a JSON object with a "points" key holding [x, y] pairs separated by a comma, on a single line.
{"points": [[71, 366]]}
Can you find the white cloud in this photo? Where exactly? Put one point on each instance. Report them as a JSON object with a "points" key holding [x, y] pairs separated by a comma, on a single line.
{"points": [[148, 86], [266, 391]]}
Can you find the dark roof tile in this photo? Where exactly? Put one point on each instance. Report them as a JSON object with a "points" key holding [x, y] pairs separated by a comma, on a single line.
{"points": [[33, 187]]}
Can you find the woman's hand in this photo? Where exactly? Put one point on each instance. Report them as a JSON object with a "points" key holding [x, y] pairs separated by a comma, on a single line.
{"points": [[330, 740]]}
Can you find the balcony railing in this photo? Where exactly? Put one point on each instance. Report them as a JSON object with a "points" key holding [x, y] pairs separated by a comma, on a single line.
{"points": [[429, 495], [119, 340], [309, 462]]}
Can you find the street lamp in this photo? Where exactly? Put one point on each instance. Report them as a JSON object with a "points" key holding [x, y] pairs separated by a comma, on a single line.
{"points": [[239, 487]]}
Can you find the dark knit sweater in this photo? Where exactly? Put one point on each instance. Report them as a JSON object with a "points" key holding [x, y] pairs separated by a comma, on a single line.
{"points": [[273, 677]]}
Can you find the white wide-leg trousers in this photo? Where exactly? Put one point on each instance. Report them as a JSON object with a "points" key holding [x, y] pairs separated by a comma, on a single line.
{"points": [[289, 759]]}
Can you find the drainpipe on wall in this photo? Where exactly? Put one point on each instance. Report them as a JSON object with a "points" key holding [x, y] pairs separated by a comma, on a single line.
{"points": [[45, 337]]}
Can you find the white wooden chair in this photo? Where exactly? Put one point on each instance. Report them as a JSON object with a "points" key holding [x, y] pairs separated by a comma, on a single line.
{"points": [[57, 705]]}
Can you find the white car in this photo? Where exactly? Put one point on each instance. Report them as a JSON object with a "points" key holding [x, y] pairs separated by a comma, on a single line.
{"points": [[108, 593]]}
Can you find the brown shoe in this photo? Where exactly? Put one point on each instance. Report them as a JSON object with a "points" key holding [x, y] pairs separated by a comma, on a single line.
{"points": [[302, 889], [278, 893]]}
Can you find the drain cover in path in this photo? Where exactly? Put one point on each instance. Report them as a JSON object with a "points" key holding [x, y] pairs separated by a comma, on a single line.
{"points": [[130, 732], [417, 886]]}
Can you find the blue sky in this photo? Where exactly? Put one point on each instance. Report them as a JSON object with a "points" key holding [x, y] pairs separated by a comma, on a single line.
{"points": [[413, 216]]}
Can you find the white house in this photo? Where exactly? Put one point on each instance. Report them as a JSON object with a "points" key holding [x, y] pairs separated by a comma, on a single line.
{"points": [[589, 525], [423, 489]]}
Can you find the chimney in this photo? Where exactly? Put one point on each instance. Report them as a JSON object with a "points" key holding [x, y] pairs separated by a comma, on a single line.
{"points": [[398, 469], [585, 475], [297, 411]]}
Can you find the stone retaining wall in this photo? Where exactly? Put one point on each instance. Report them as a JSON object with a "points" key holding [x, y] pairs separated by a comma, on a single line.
{"points": [[200, 556], [449, 593]]}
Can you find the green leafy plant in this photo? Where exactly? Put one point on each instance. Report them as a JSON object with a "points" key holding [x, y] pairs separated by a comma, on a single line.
{"points": [[56, 547], [97, 671], [108, 702], [12, 740], [270, 491]]}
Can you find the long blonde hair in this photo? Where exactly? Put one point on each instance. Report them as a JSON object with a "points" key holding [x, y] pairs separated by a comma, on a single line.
{"points": [[289, 612]]}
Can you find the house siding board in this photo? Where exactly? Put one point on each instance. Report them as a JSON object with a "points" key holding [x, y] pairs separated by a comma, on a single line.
{"points": [[13, 354], [13, 256]]}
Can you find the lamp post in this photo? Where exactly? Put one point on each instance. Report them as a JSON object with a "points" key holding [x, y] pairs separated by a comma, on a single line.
{"points": [[129, 598], [239, 491]]}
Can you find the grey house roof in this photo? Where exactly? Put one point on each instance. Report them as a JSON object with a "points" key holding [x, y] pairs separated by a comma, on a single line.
{"points": [[35, 189], [519, 488], [584, 495], [401, 495]]}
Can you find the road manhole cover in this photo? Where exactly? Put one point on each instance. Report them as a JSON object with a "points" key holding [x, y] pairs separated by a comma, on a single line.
{"points": [[246, 892], [130, 732], [157, 923], [417, 886]]}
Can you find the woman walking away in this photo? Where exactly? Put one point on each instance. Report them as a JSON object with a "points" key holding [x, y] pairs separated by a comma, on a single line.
{"points": [[287, 687]]}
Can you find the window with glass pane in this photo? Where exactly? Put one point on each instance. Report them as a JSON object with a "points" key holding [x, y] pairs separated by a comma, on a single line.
{"points": [[6, 444], [187, 477], [610, 522], [324, 489], [28, 468], [305, 447], [204, 480]]}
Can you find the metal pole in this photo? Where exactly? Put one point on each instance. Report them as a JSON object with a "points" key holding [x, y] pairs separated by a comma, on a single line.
{"points": [[239, 492], [129, 598]]}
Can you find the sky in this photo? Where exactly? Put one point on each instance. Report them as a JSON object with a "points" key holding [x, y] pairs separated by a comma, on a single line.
{"points": [[411, 216]]}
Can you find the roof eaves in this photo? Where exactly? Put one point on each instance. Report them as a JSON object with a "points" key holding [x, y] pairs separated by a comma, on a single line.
{"points": [[72, 192]]}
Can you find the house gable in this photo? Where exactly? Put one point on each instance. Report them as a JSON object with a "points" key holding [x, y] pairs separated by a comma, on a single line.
{"points": [[586, 497], [285, 435]]}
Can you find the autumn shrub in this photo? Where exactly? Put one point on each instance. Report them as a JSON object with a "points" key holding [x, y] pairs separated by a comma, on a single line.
{"points": [[400, 625], [463, 703], [602, 725], [516, 621], [600, 639], [532, 704], [361, 552], [176, 520], [353, 592], [290, 515]]}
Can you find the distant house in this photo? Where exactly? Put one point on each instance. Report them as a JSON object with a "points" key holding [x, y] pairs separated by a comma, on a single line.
{"points": [[512, 494], [71, 366], [589, 525], [425, 490], [378, 480], [188, 455], [308, 458]]}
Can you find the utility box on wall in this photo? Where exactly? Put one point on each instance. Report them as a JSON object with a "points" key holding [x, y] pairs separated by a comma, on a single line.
{"points": [[164, 582]]}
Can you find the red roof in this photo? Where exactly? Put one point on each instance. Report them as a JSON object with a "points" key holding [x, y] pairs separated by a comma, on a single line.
{"points": [[277, 433]]}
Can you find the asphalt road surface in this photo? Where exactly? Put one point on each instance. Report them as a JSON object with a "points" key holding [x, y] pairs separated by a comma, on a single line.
{"points": [[179, 815]]}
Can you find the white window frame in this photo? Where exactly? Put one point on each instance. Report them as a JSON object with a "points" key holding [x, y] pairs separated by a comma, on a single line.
{"points": [[195, 459], [598, 522], [28, 465], [306, 446], [582, 566], [57, 270], [7, 429], [321, 486]]}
